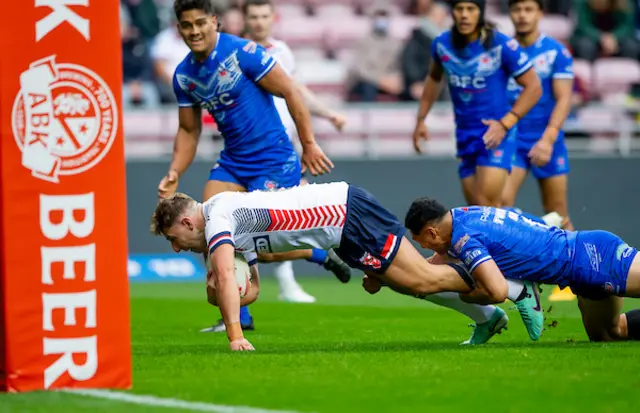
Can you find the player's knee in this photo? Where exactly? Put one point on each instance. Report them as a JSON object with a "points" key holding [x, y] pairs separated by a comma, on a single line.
{"points": [[490, 200]]}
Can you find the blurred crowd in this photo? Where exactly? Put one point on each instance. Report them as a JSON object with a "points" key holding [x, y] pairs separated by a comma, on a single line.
{"points": [[382, 67]]}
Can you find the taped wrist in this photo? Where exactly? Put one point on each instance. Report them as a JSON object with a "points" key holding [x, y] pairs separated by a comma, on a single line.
{"points": [[234, 331]]}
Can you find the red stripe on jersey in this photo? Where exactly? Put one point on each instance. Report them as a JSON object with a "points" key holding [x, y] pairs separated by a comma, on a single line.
{"points": [[274, 220], [300, 219], [280, 216], [387, 245]]}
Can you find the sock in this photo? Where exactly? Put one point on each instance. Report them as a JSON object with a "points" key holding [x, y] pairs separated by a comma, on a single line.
{"points": [[245, 317], [516, 288], [478, 313], [532, 217], [633, 324], [318, 256], [284, 274]]}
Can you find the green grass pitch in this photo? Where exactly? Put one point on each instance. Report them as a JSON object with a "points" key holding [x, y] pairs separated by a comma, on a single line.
{"points": [[352, 353]]}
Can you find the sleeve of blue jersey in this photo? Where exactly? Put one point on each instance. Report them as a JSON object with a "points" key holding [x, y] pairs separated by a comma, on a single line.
{"points": [[514, 58], [255, 62], [563, 65], [218, 239], [473, 253], [181, 96]]}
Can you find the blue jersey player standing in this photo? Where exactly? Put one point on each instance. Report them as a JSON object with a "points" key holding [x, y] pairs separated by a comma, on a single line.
{"points": [[478, 62], [235, 80], [496, 245], [540, 140]]}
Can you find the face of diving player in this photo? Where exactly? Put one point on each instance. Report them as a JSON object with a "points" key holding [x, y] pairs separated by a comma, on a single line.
{"points": [[432, 237], [466, 17], [199, 31], [525, 16], [185, 236]]}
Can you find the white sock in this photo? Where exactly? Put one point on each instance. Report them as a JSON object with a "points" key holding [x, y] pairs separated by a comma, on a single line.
{"points": [[515, 289], [478, 313], [284, 274]]}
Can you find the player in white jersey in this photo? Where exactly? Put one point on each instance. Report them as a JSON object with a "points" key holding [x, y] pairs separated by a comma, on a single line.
{"points": [[259, 19], [339, 216]]}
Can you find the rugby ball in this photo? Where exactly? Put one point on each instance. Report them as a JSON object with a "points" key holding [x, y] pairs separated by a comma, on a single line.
{"points": [[243, 274]]}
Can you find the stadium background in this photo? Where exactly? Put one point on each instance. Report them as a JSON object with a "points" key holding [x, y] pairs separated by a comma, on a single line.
{"points": [[330, 40]]}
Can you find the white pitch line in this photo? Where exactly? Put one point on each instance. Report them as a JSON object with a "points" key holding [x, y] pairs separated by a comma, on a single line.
{"points": [[168, 402]]}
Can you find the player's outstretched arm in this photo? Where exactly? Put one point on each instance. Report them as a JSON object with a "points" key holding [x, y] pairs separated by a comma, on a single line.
{"points": [[431, 91], [491, 286], [228, 299], [184, 148], [278, 83], [320, 109]]}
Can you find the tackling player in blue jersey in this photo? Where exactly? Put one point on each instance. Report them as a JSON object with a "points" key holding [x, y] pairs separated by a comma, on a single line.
{"points": [[235, 80], [540, 140], [478, 61], [496, 244]]}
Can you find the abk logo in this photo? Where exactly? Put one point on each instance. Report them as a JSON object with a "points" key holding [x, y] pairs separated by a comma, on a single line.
{"points": [[262, 244], [371, 261], [64, 119]]}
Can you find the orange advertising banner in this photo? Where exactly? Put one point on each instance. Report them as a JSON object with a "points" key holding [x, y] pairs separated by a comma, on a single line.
{"points": [[63, 242]]}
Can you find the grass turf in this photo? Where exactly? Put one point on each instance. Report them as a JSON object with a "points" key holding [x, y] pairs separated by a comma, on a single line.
{"points": [[352, 352]]}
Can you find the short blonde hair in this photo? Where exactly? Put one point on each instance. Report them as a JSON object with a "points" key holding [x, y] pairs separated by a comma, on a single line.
{"points": [[168, 211]]}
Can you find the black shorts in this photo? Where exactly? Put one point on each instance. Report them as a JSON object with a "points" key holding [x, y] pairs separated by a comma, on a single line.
{"points": [[371, 235]]}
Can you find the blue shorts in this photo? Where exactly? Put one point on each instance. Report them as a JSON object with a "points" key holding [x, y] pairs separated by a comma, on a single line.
{"points": [[500, 157], [284, 174], [600, 265], [371, 235], [558, 164]]}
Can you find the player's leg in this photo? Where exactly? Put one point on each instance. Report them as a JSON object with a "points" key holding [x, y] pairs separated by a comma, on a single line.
{"points": [[602, 319], [466, 171], [519, 170], [492, 170], [552, 179]]}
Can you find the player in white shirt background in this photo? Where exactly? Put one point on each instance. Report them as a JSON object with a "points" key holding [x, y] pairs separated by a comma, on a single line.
{"points": [[364, 234], [259, 18]]}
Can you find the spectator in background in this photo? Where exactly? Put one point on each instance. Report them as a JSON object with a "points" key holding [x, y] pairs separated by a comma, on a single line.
{"points": [[605, 28], [167, 52], [636, 13], [144, 17], [233, 22], [416, 56], [375, 68], [136, 64], [551, 6]]}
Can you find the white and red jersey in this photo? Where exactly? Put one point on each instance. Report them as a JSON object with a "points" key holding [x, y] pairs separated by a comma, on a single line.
{"points": [[284, 56], [302, 217]]}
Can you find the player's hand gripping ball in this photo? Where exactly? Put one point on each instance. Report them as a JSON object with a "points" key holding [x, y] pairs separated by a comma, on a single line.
{"points": [[243, 274]]}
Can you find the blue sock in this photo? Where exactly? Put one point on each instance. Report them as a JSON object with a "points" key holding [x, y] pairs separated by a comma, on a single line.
{"points": [[318, 256], [245, 317], [532, 217]]}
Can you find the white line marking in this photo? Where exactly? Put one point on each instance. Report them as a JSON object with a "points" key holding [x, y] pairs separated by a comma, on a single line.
{"points": [[169, 403]]}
